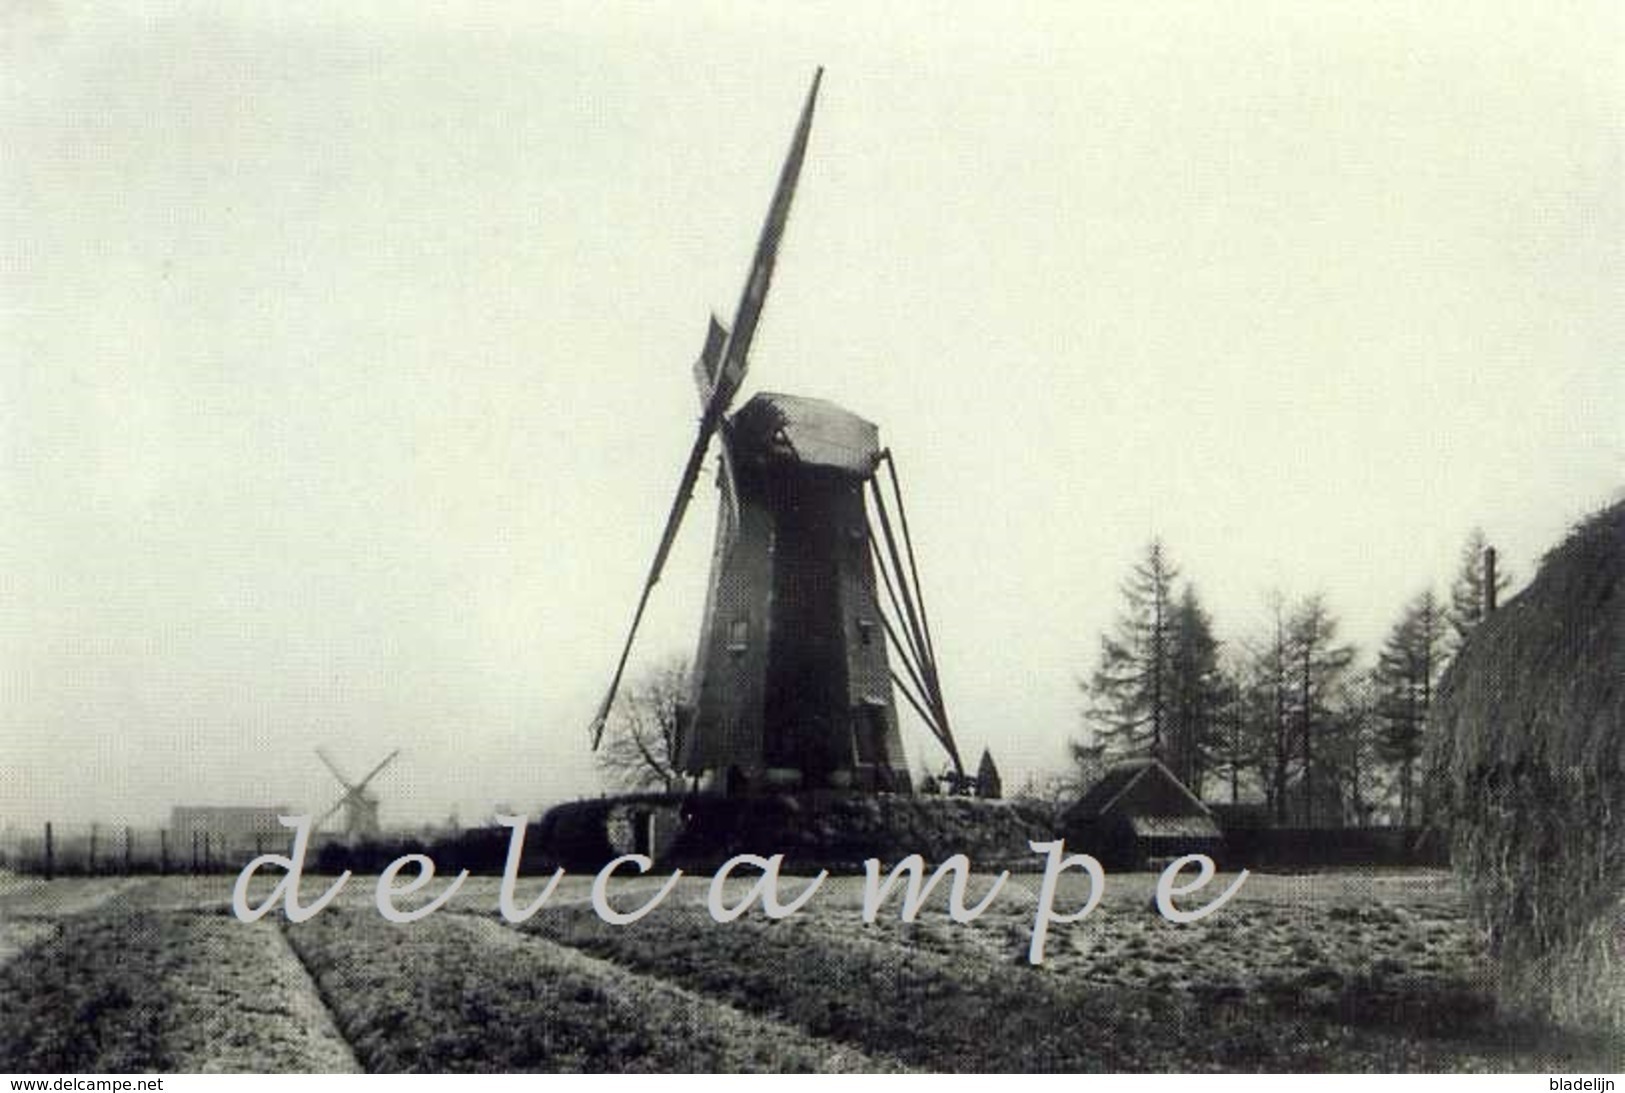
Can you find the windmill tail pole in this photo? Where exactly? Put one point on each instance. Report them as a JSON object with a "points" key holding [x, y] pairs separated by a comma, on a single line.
{"points": [[925, 618], [910, 654], [908, 545], [914, 655], [904, 582], [910, 658]]}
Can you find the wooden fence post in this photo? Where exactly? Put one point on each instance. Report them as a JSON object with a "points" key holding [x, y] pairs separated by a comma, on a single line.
{"points": [[50, 852]]}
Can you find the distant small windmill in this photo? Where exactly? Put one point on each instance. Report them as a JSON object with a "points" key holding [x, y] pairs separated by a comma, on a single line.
{"points": [[360, 807]]}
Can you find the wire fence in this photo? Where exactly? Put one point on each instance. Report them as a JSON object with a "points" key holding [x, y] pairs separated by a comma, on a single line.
{"points": [[56, 849]]}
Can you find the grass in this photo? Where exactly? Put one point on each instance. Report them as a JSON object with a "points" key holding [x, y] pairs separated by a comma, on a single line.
{"points": [[1328, 972]]}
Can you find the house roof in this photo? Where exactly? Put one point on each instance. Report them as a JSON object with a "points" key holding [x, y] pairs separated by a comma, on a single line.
{"points": [[1115, 784], [1108, 789]]}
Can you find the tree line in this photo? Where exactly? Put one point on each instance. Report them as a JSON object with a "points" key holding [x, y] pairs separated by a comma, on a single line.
{"points": [[1289, 715]]}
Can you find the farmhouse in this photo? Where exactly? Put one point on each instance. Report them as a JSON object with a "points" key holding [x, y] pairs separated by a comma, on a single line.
{"points": [[1137, 812], [228, 827]]}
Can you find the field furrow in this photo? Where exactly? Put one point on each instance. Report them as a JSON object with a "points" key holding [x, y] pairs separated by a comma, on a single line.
{"points": [[1332, 972], [1372, 953], [885, 999], [941, 995], [137, 991], [460, 992]]}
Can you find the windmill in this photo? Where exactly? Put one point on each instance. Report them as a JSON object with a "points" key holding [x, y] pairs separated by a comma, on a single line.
{"points": [[792, 685], [360, 807]]}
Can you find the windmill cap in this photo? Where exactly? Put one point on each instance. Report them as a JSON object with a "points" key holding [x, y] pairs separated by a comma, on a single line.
{"points": [[808, 431]]}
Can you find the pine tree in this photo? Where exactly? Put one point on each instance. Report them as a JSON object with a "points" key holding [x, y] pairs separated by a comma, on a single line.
{"points": [[1468, 600], [1129, 693], [1198, 693], [1317, 663], [1407, 673]]}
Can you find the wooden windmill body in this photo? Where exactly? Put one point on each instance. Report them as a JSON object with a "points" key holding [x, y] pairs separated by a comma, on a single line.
{"points": [[792, 685]]}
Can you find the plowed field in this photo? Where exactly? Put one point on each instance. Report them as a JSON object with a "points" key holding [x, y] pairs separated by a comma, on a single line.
{"points": [[1334, 971]]}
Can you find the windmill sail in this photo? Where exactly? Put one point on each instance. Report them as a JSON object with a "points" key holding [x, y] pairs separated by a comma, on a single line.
{"points": [[767, 253], [354, 798], [710, 362], [375, 771], [327, 761], [724, 380]]}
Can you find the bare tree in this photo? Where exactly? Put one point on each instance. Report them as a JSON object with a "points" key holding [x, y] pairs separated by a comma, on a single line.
{"points": [[1264, 705], [1353, 754], [1239, 751], [1318, 662], [1054, 792], [640, 745]]}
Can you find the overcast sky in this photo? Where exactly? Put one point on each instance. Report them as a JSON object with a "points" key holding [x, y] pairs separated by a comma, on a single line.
{"points": [[344, 348]]}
